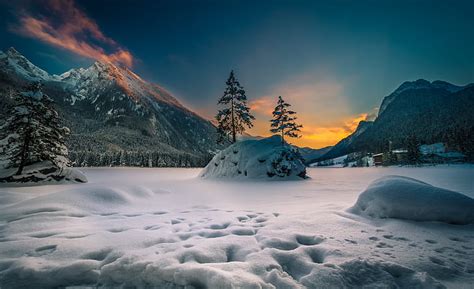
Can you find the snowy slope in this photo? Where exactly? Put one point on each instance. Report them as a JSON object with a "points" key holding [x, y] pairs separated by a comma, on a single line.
{"points": [[338, 162], [16, 63], [167, 228], [86, 82]]}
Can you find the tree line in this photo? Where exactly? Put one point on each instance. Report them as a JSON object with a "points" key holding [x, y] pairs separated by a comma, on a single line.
{"points": [[137, 159]]}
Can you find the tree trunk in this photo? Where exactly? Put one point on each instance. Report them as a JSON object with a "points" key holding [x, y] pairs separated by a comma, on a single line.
{"points": [[24, 152], [282, 137], [233, 121]]}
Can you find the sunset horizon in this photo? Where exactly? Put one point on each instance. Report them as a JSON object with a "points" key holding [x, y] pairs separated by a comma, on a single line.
{"points": [[331, 97], [236, 144]]}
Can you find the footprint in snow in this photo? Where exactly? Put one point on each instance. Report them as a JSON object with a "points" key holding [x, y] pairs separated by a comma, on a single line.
{"points": [[309, 240], [243, 232], [118, 230], [383, 245], [44, 250], [437, 261], [160, 213], [219, 226], [456, 239], [242, 219]]}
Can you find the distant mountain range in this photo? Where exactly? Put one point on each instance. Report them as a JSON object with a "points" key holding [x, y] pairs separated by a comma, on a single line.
{"points": [[116, 118], [432, 112]]}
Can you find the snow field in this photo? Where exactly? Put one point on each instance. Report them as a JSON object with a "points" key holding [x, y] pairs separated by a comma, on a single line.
{"points": [[175, 231]]}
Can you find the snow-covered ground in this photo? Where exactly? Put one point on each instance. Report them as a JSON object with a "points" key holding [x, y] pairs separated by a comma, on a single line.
{"points": [[169, 228]]}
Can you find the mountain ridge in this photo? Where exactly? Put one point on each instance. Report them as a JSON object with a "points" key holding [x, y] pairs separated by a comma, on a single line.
{"points": [[117, 108], [436, 111]]}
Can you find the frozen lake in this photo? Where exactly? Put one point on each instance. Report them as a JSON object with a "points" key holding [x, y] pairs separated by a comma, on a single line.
{"points": [[166, 228]]}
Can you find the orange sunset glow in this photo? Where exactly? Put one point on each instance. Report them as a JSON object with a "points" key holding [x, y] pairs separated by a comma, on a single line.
{"points": [[322, 108], [315, 136]]}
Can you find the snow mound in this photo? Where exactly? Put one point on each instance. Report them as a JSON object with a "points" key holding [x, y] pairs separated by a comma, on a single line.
{"points": [[41, 173], [256, 159], [406, 198]]}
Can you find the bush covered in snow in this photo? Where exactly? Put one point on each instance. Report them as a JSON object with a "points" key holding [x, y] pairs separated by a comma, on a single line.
{"points": [[257, 159], [410, 199], [42, 172], [33, 141]]}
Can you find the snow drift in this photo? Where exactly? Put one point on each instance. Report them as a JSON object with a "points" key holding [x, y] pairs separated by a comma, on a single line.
{"points": [[256, 159], [165, 228], [42, 172], [406, 198]]}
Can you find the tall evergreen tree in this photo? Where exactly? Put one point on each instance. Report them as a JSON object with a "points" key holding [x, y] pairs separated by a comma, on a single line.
{"points": [[233, 118], [32, 133], [283, 121]]}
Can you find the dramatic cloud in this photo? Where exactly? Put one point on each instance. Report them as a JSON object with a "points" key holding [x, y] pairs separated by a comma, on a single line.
{"points": [[322, 108], [66, 26]]}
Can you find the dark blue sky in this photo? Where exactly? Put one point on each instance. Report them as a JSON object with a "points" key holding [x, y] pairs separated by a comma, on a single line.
{"points": [[335, 60]]}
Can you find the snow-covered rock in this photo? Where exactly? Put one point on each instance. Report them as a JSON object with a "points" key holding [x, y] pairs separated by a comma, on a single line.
{"points": [[41, 173], [256, 159], [406, 198]]}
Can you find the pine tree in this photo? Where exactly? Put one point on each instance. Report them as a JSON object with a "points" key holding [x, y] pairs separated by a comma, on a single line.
{"points": [[236, 115], [33, 132], [413, 150], [283, 121]]}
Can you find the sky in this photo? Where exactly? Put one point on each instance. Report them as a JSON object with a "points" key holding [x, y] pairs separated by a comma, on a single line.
{"points": [[334, 61]]}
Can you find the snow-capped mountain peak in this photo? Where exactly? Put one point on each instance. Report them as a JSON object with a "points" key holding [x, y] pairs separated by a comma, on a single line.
{"points": [[119, 110], [14, 62], [102, 74]]}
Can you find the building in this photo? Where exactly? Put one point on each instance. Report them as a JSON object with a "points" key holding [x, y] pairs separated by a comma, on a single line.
{"points": [[378, 159]]}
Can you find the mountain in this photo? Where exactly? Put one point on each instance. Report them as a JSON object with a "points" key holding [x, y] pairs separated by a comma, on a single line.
{"points": [[310, 154], [12, 62], [343, 146], [431, 111], [115, 116]]}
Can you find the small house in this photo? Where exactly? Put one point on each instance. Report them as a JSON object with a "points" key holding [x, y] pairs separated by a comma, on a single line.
{"points": [[378, 159]]}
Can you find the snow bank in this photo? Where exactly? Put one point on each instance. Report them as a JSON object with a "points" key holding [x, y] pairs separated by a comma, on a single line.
{"points": [[256, 159], [41, 173], [410, 199]]}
